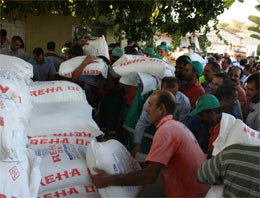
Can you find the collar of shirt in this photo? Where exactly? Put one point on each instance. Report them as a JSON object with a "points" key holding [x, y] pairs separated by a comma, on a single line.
{"points": [[255, 107], [163, 120]]}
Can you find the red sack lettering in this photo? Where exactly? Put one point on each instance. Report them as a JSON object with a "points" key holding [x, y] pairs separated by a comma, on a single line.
{"points": [[3, 90]]}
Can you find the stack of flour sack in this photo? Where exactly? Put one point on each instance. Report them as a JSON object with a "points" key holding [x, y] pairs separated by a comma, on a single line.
{"points": [[48, 144]]}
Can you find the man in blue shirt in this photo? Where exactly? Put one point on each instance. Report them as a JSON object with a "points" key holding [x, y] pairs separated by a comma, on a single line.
{"points": [[43, 67]]}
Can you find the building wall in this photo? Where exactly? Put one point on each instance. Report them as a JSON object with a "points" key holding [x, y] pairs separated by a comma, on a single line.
{"points": [[49, 27]]}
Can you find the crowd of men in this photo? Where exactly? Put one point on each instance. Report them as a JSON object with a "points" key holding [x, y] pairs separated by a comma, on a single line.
{"points": [[185, 113]]}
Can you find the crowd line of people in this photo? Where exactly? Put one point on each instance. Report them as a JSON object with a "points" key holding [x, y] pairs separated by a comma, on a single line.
{"points": [[178, 124]]}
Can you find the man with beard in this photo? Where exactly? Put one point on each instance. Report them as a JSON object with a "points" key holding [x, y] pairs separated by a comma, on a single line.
{"points": [[180, 62], [235, 74], [253, 95], [192, 88]]}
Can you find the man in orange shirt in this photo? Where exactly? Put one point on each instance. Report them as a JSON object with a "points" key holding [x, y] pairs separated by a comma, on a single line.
{"points": [[192, 88], [175, 154]]}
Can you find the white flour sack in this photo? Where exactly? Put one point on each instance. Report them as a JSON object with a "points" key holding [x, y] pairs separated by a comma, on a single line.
{"points": [[19, 93], [20, 179], [93, 69], [78, 191], [62, 165], [12, 136], [215, 192], [234, 132], [97, 47], [112, 157], [132, 63], [76, 138], [56, 91], [65, 117], [18, 65]]}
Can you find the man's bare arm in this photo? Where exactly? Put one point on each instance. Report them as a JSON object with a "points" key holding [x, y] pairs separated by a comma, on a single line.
{"points": [[148, 175]]}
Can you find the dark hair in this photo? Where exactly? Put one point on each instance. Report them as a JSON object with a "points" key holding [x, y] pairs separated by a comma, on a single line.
{"points": [[248, 66], [76, 50], [255, 77], [241, 71], [38, 51], [131, 50], [243, 62], [225, 91], [3, 33], [215, 66], [163, 43], [221, 75], [211, 59], [166, 98], [182, 59], [17, 38], [228, 59], [51, 46], [68, 44], [217, 56], [169, 82]]}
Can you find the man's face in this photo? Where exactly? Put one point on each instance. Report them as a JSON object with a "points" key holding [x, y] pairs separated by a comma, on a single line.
{"points": [[162, 52], [153, 111], [252, 92], [188, 72], [208, 72], [15, 45], [179, 71], [147, 55], [227, 104], [39, 58], [216, 82], [224, 64], [207, 118], [234, 75], [172, 90]]}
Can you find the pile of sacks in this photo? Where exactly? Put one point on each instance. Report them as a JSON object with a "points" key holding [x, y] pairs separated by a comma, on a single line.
{"points": [[19, 166], [48, 144]]}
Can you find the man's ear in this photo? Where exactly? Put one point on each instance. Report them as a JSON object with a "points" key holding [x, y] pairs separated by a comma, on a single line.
{"points": [[162, 108]]}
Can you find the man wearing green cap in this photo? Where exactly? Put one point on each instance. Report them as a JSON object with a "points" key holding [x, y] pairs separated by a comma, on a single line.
{"points": [[149, 52], [192, 88], [116, 54], [208, 108], [163, 51]]}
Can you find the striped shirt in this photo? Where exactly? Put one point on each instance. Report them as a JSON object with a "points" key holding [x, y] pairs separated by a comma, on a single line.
{"points": [[237, 167]]}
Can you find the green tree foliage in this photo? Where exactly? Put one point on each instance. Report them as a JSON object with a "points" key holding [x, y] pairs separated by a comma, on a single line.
{"points": [[256, 27], [135, 20]]}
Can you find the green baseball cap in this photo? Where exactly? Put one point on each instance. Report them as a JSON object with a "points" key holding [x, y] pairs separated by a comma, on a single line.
{"points": [[197, 66], [117, 52], [205, 102], [163, 47], [149, 50]]}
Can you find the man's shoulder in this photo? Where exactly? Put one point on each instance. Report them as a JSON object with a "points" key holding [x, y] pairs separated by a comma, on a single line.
{"points": [[5, 50], [182, 98]]}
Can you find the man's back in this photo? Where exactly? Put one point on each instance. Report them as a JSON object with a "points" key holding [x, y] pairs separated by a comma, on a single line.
{"points": [[237, 167]]}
